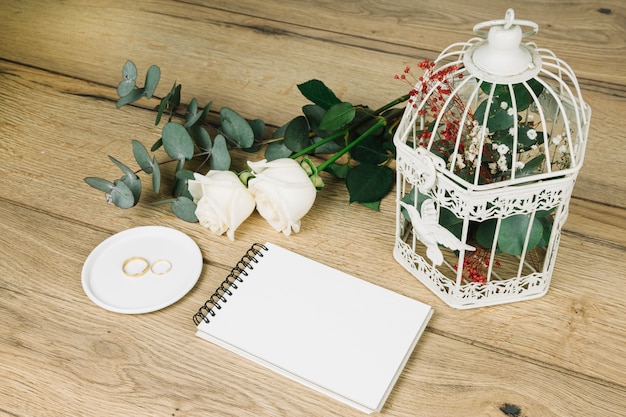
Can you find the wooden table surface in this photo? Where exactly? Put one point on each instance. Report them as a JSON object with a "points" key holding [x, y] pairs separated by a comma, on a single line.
{"points": [[62, 355]]}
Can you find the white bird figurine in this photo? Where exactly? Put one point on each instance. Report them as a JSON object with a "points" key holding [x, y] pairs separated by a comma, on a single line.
{"points": [[428, 230]]}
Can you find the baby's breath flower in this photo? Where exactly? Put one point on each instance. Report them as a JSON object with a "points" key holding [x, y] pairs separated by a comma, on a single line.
{"points": [[532, 134], [502, 149], [504, 105], [510, 111], [557, 139]]}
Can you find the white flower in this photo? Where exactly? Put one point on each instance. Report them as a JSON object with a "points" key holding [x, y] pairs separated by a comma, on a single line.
{"points": [[504, 105], [502, 165], [510, 111], [532, 134], [562, 149], [502, 149], [492, 167], [223, 202], [557, 139], [283, 192], [512, 131], [519, 165]]}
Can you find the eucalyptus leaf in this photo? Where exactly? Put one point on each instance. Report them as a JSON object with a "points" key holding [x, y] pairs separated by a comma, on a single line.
{"points": [[185, 174], [328, 147], [297, 134], [125, 87], [258, 128], [162, 107], [141, 156], [180, 185], [184, 208], [236, 128], [220, 158], [134, 95], [130, 179], [277, 150], [369, 182], [156, 175], [513, 234], [152, 80], [121, 166], [134, 185], [177, 142], [314, 114], [192, 115], [338, 116], [99, 184], [201, 137], [121, 195], [156, 145], [317, 92], [129, 71]]}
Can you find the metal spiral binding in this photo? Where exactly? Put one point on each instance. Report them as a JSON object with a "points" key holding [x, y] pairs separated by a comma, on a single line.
{"points": [[230, 283]]}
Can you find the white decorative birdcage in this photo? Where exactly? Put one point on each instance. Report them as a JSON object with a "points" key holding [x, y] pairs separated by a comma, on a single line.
{"points": [[488, 151]]}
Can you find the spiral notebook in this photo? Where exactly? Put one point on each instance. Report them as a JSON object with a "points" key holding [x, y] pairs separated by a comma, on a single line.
{"points": [[328, 330]]}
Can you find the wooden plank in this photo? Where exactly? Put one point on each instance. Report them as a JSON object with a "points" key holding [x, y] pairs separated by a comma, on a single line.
{"points": [[154, 365]]}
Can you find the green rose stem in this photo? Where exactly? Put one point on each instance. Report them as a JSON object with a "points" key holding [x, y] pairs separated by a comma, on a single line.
{"points": [[381, 122]]}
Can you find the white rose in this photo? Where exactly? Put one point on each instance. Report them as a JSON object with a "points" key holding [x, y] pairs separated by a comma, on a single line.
{"points": [[223, 202], [283, 193]]}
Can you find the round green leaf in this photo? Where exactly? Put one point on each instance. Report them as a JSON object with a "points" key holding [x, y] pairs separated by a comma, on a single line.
{"points": [[485, 233], [134, 185], [277, 150], [129, 71], [121, 195], [258, 128], [125, 87], [152, 80], [141, 156], [369, 182], [201, 137], [220, 158], [513, 234], [236, 128], [177, 142], [185, 209], [338, 116], [134, 95], [297, 134]]}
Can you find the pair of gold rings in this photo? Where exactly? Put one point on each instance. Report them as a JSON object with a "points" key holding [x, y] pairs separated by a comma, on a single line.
{"points": [[136, 266]]}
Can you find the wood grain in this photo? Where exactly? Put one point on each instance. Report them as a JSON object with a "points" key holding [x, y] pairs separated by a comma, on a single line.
{"points": [[60, 354]]}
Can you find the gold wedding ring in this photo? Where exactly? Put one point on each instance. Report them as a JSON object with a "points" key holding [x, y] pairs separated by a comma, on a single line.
{"points": [[131, 266], [161, 267]]}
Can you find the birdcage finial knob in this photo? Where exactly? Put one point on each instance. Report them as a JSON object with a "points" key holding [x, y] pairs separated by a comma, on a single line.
{"points": [[503, 58]]}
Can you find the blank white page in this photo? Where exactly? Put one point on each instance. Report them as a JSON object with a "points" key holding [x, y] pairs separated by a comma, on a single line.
{"points": [[329, 330]]}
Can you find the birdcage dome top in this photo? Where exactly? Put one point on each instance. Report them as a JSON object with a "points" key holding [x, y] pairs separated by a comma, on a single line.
{"points": [[497, 110]]}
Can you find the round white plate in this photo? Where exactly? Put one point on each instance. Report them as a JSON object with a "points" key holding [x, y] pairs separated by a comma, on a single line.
{"points": [[108, 286]]}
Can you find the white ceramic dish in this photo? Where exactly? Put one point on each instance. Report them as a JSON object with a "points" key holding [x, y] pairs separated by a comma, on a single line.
{"points": [[106, 284]]}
